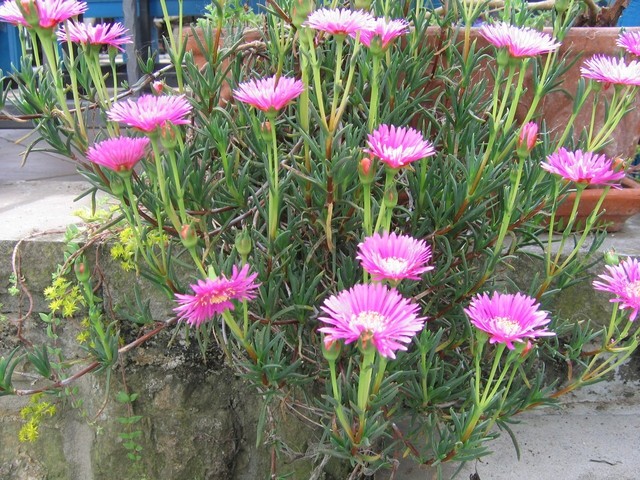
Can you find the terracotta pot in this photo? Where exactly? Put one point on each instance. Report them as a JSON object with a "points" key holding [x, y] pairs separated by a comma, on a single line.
{"points": [[556, 107], [618, 206], [195, 38]]}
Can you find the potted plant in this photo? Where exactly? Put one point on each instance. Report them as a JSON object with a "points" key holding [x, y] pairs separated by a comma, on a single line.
{"points": [[339, 229]]}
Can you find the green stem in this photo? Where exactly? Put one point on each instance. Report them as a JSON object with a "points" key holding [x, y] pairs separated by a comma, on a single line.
{"points": [[274, 187], [171, 213], [375, 93], [364, 383]]}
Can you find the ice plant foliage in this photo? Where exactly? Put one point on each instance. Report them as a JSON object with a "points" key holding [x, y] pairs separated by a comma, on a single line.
{"points": [[583, 167], [383, 32], [212, 296], [508, 318], [630, 41], [340, 21], [118, 154], [101, 34], [150, 112], [394, 257], [49, 12], [623, 281], [371, 313], [605, 69], [397, 147], [520, 42], [269, 94]]}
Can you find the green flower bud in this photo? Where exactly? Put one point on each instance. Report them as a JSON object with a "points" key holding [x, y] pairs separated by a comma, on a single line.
{"points": [[364, 5], [243, 243], [188, 236], [611, 258], [391, 197], [81, 269], [332, 351]]}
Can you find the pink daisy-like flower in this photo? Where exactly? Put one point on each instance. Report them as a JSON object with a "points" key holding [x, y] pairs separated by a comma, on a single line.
{"points": [[151, 111], [508, 318], [604, 69], [48, 12], [630, 41], [373, 313], [583, 167], [213, 296], [269, 94], [398, 146], [110, 34], [382, 31], [624, 282], [520, 42], [339, 21], [394, 257], [118, 154]]}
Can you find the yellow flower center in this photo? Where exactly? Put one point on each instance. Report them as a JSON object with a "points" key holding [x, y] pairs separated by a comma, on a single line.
{"points": [[394, 265], [507, 325], [370, 321], [633, 289]]}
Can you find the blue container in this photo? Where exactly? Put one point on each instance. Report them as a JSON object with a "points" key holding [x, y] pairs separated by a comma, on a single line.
{"points": [[631, 15], [10, 51]]}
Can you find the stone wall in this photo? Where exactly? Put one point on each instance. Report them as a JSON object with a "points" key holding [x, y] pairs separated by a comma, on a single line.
{"points": [[198, 418]]}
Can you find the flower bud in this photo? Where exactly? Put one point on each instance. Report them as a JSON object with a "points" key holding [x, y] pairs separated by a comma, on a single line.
{"points": [[169, 135], [265, 131], [243, 243], [81, 269], [527, 139], [391, 197], [365, 170], [364, 5], [188, 236], [331, 349], [157, 87], [611, 258], [561, 6]]}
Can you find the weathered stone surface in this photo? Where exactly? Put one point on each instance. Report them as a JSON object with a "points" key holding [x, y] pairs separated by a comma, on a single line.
{"points": [[198, 419]]}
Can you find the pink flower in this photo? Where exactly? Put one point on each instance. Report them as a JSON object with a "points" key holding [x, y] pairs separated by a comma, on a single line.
{"points": [[583, 167], [630, 41], [398, 146], [519, 41], [213, 296], [339, 21], [118, 154], [611, 70], [110, 34], [528, 136], [269, 94], [373, 313], [150, 111], [48, 12], [508, 318], [382, 32], [394, 257], [624, 282]]}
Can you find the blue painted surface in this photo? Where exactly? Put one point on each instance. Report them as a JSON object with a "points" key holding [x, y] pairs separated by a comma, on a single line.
{"points": [[9, 46], [631, 15]]}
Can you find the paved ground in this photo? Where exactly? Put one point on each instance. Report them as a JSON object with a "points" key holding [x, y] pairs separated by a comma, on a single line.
{"points": [[594, 435]]}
